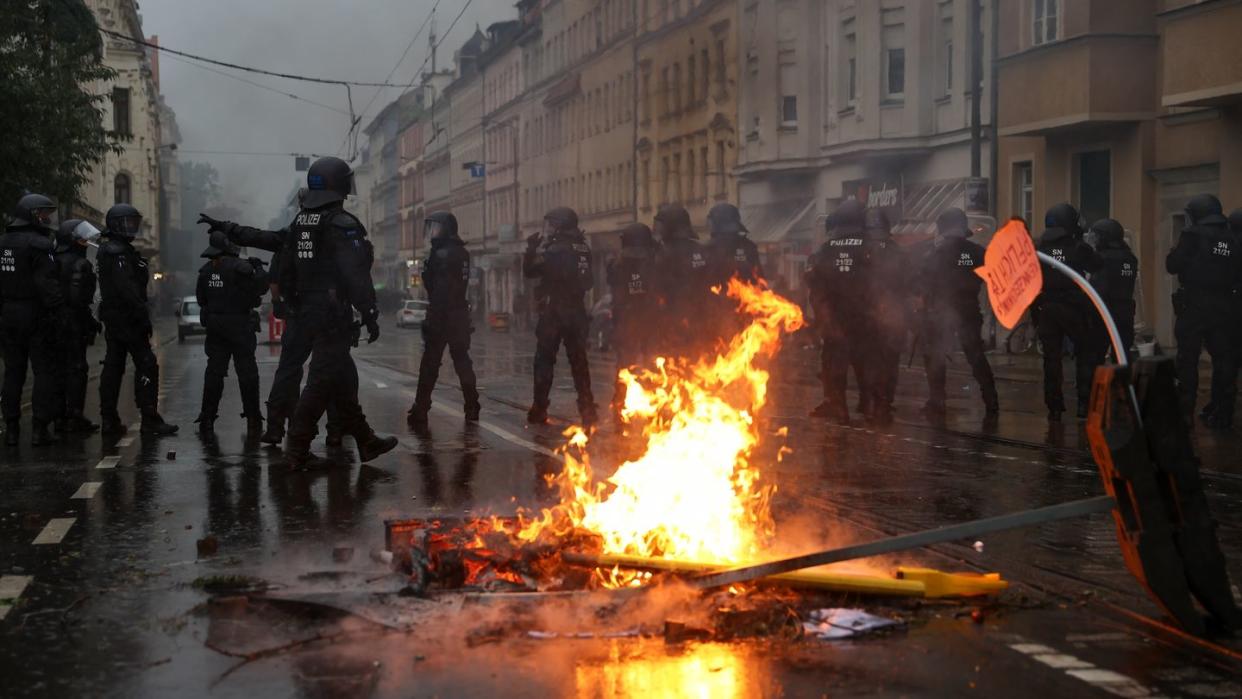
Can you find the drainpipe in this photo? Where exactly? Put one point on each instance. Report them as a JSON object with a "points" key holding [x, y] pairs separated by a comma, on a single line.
{"points": [[976, 90]]}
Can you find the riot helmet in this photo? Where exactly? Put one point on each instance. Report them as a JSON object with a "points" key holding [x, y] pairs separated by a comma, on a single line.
{"points": [[952, 223], [637, 241], [847, 219], [328, 181], [35, 210], [1205, 210], [124, 221], [219, 245], [1235, 221], [725, 219], [439, 225], [559, 221], [75, 231], [673, 221], [1107, 231], [1065, 217]]}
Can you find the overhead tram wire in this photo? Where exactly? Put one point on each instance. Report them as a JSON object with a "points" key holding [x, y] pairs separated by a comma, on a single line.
{"points": [[259, 85], [406, 52]]}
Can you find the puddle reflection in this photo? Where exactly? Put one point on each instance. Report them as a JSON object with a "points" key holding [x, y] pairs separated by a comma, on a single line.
{"points": [[718, 671]]}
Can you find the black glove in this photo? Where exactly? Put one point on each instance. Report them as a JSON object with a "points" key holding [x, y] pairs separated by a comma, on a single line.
{"points": [[370, 318], [213, 224], [533, 240], [280, 309], [256, 263]]}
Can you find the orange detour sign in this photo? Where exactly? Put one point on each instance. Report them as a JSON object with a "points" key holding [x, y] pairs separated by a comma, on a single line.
{"points": [[1011, 270]]}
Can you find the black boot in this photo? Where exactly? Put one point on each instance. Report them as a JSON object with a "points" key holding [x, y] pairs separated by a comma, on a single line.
{"points": [[112, 427], [537, 415], [472, 411], [417, 417], [275, 433], [372, 446], [12, 433], [153, 424], [300, 458], [589, 414], [254, 425], [334, 438], [206, 425], [81, 425], [40, 436], [61, 425]]}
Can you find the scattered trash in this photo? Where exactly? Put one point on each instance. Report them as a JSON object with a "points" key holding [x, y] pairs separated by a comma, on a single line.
{"points": [[235, 584], [546, 635], [837, 623], [208, 546], [172, 456], [343, 554], [977, 616], [188, 527], [978, 547], [678, 632]]}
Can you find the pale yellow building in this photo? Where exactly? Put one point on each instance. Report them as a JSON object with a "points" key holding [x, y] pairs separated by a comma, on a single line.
{"points": [[686, 136]]}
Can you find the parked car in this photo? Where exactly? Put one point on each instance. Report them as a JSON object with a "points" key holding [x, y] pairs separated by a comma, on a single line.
{"points": [[412, 313], [187, 319]]}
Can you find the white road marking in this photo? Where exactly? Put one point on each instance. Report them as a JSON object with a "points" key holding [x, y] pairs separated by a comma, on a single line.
{"points": [[124, 442], [11, 587], [108, 462], [86, 491], [54, 532], [1112, 682]]}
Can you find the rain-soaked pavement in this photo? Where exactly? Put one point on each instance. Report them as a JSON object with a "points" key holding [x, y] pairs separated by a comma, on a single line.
{"points": [[102, 588]]}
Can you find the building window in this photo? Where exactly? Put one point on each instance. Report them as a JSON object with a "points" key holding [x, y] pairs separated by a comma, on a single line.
{"points": [[849, 65], [646, 184], [691, 176], [946, 48], [703, 170], [664, 181], [120, 111], [121, 190], [676, 87], [720, 168], [1024, 191], [646, 96], [691, 83], [664, 87], [1044, 24], [721, 65], [894, 56], [677, 178], [789, 94], [705, 59], [1095, 185]]}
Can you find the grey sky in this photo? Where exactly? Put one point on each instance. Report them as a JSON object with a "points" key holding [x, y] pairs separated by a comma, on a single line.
{"points": [[340, 39]]}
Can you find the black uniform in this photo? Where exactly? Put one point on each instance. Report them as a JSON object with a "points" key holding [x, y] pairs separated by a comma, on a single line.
{"points": [[295, 343], [950, 290], [632, 280], [327, 269], [1115, 280], [563, 267], [1208, 263], [228, 289], [78, 285], [446, 277], [123, 279], [729, 254], [836, 279], [31, 312], [684, 288], [1063, 311], [888, 292]]}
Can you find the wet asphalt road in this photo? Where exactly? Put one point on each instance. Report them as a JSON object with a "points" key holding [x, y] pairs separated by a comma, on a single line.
{"points": [[98, 553]]}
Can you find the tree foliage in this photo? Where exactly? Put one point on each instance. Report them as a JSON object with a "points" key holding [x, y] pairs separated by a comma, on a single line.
{"points": [[51, 60]]}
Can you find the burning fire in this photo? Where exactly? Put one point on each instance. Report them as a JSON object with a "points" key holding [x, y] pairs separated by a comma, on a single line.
{"points": [[693, 494]]}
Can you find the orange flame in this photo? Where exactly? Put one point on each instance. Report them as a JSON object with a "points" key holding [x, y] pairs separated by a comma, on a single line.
{"points": [[693, 494]]}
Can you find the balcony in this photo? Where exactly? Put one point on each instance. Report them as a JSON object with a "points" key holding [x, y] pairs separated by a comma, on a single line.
{"points": [[1194, 75], [1089, 80]]}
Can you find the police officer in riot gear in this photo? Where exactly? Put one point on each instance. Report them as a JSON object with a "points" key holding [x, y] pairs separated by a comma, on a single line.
{"points": [[228, 288], [77, 285], [1115, 280], [729, 254], [123, 279], [950, 307], [684, 287], [327, 269], [560, 259], [837, 284], [32, 311], [632, 280], [446, 277], [1208, 263], [295, 344], [1063, 311], [887, 273]]}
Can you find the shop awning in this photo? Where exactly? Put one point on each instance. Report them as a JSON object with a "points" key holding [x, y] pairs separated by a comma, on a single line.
{"points": [[779, 221]]}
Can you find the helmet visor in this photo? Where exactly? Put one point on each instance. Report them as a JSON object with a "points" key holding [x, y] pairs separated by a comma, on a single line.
{"points": [[550, 227], [129, 225], [47, 217], [85, 234], [432, 229]]}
